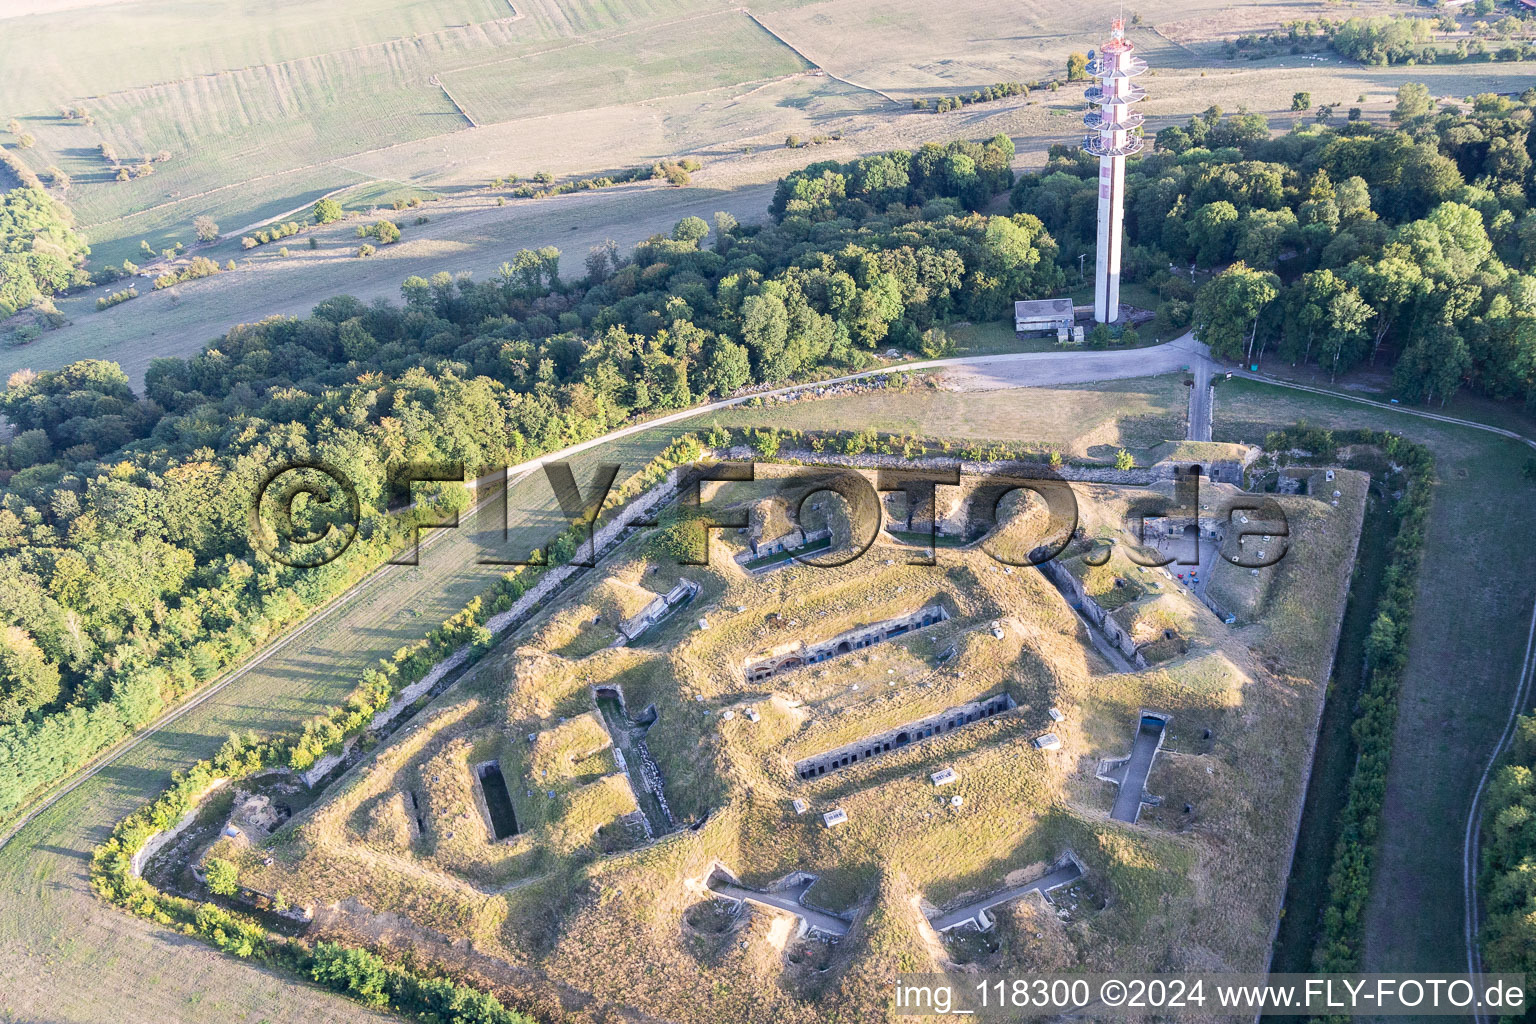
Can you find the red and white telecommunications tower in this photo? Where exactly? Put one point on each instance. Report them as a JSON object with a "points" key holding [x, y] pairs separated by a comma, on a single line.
{"points": [[1118, 136]]}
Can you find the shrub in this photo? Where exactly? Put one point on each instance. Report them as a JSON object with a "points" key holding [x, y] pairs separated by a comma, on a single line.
{"points": [[326, 211], [383, 231], [117, 298], [366, 250], [223, 878], [200, 266]]}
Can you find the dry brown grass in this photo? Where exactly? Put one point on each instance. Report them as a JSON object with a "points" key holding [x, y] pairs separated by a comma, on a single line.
{"points": [[583, 910]]}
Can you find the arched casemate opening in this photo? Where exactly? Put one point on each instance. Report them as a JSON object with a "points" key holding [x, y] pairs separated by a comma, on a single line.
{"points": [[903, 736], [761, 668]]}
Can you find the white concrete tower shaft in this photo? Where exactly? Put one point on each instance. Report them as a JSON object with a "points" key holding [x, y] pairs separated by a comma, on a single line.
{"points": [[1116, 134]]}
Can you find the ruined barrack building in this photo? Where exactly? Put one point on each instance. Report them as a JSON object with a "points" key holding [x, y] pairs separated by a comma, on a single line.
{"points": [[793, 656], [903, 735]]}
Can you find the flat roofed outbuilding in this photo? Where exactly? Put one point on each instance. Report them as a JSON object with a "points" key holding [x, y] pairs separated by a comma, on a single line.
{"points": [[1043, 315]]}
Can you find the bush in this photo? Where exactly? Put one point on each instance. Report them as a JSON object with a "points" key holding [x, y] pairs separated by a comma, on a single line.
{"points": [[384, 231], [271, 234], [936, 344], [222, 876], [366, 250], [326, 211], [116, 298], [200, 266]]}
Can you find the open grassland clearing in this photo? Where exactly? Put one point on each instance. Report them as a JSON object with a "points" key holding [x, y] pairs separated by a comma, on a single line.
{"points": [[1455, 697], [257, 121], [623, 924], [69, 958], [911, 50], [1088, 421], [220, 129], [115, 46]]}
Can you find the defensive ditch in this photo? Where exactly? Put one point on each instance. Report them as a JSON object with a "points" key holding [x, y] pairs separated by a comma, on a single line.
{"points": [[1130, 773], [498, 801], [634, 757]]}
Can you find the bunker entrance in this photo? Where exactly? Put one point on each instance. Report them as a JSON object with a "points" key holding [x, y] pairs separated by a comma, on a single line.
{"points": [[497, 800]]}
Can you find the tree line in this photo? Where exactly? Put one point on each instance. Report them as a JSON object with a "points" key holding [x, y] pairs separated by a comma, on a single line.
{"points": [[1336, 246], [40, 253], [124, 546], [1507, 881]]}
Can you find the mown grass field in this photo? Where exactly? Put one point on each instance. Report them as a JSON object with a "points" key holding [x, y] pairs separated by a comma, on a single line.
{"points": [[67, 957], [687, 55], [1091, 420]]}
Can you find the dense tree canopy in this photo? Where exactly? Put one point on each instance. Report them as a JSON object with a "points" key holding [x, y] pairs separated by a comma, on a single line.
{"points": [[39, 250], [1415, 244], [125, 551]]}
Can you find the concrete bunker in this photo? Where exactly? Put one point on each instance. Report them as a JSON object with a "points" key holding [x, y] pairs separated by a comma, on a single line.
{"points": [[638, 625], [894, 739], [976, 913], [498, 800], [1130, 773], [786, 896], [794, 657]]}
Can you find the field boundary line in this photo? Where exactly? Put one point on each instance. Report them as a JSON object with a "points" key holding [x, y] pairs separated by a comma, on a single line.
{"points": [[242, 183], [300, 209], [225, 72], [1165, 37], [339, 161], [1472, 837], [813, 62], [580, 40], [437, 80]]}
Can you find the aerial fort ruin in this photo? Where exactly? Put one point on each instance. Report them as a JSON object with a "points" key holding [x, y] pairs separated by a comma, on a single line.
{"points": [[621, 781]]}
